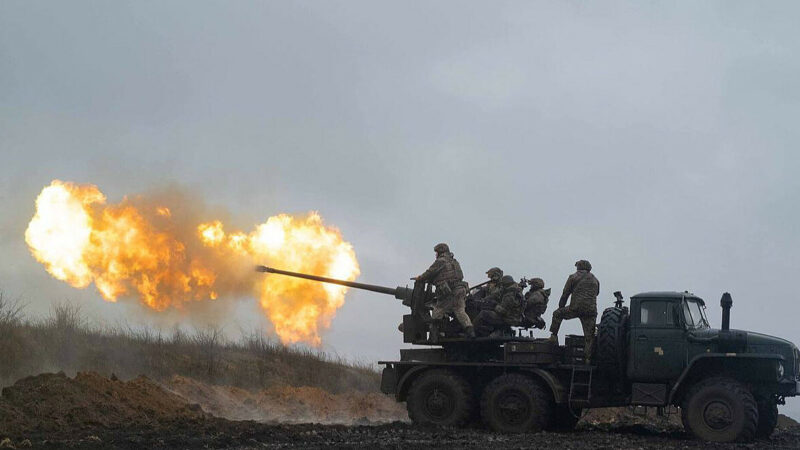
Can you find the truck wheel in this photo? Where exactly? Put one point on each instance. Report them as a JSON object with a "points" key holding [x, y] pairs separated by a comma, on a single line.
{"points": [[611, 338], [767, 417], [440, 397], [515, 403], [720, 410], [564, 419]]}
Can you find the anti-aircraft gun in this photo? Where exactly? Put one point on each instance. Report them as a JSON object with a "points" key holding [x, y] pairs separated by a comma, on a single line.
{"points": [[415, 325]]}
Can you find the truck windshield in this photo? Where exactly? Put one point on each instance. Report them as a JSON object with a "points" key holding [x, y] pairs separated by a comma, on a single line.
{"points": [[696, 316]]}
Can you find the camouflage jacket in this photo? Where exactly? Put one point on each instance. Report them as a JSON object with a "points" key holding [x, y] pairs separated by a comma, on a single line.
{"points": [[445, 270], [536, 302], [491, 291], [584, 288], [509, 308]]}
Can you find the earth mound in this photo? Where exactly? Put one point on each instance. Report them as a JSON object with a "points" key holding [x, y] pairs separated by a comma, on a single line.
{"points": [[56, 403]]}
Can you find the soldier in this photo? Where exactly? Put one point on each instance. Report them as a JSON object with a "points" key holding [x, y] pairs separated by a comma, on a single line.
{"points": [[507, 311], [445, 274], [487, 295], [536, 303], [493, 286], [584, 288]]}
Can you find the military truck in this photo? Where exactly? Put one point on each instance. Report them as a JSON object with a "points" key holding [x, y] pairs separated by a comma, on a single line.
{"points": [[659, 351]]}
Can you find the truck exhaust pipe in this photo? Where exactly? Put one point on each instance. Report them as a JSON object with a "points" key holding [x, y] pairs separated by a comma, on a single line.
{"points": [[726, 302]]}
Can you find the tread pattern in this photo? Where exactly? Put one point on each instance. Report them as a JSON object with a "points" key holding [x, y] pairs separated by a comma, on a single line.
{"points": [[611, 343], [464, 399], [748, 431], [542, 410]]}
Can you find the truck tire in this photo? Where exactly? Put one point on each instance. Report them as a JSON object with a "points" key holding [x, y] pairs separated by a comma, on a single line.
{"points": [[611, 341], [515, 403], [440, 397], [564, 419], [767, 417], [720, 410]]}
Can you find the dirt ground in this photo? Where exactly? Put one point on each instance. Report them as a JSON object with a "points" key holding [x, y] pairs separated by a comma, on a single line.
{"points": [[91, 411], [220, 433]]}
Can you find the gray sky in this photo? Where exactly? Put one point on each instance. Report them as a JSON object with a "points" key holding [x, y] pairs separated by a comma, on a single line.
{"points": [[656, 139]]}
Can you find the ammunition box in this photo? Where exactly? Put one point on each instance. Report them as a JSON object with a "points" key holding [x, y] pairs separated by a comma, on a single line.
{"points": [[537, 352]]}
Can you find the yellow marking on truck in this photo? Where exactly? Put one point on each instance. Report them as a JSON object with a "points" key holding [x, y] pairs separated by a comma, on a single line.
{"points": [[658, 350]]}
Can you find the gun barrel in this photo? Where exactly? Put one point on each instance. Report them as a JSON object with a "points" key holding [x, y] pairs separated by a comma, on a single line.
{"points": [[397, 292]]}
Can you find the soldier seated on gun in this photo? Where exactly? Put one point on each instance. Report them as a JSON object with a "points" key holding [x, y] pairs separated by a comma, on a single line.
{"points": [[535, 304], [486, 296], [507, 311]]}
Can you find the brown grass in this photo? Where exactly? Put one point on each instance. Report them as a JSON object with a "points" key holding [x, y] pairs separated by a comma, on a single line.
{"points": [[67, 341]]}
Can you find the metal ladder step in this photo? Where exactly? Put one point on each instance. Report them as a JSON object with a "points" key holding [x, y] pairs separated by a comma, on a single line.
{"points": [[573, 397]]}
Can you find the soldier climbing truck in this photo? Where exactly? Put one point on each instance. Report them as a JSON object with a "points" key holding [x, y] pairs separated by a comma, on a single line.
{"points": [[659, 351]]}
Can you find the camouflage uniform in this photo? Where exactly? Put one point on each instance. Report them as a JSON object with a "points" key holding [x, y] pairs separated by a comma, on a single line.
{"points": [[536, 302], [487, 296], [507, 312], [584, 288], [446, 275]]}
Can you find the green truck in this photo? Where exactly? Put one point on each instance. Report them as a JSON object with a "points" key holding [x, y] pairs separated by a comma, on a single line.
{"points": [[658, 351]]}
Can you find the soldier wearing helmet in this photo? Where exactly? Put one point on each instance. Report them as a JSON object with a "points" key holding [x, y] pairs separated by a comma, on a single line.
{"points": [[506, 313], [584, 287], [451, 290], [536, 303], [487, 295], [495, 274]]}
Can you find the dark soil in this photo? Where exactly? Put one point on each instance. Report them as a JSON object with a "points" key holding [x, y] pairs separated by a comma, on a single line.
{"points": [[220, 433], [91, 411]]}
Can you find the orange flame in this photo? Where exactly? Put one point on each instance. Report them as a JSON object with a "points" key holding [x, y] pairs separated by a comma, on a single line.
{"points": [[132, 249]]}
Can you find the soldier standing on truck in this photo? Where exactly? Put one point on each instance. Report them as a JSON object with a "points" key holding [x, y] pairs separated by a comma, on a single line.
{"points": [[584, 288], [506, 313], [451, 291], [536, 303]]}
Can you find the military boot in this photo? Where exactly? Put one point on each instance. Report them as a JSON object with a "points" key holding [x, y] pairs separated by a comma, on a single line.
{"points": [[554, 338], [470, 332]]}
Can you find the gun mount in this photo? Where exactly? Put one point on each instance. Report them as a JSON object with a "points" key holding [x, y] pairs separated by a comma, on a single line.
{"points": [[415, 325]]}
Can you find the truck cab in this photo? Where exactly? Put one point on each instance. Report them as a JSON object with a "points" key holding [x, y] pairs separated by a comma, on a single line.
{"points": [[727, 382]]}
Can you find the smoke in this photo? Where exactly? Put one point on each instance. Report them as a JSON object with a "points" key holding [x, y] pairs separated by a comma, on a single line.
{"points": [[288, 404]]}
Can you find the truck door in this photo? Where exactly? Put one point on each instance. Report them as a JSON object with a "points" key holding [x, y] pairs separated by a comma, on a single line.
{"points": [[659, 347]]}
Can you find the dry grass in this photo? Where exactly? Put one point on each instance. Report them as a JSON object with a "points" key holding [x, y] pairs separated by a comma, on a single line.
{"points": [[67, 341]]}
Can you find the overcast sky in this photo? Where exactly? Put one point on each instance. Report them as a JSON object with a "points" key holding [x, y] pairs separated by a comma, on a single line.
{"points": [[656, 139]]}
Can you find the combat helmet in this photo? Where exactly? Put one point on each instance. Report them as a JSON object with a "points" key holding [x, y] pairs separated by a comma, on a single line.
{"points": [[494, 271], [507, 280], [583, 265], [537, 283], [441, 248]]}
